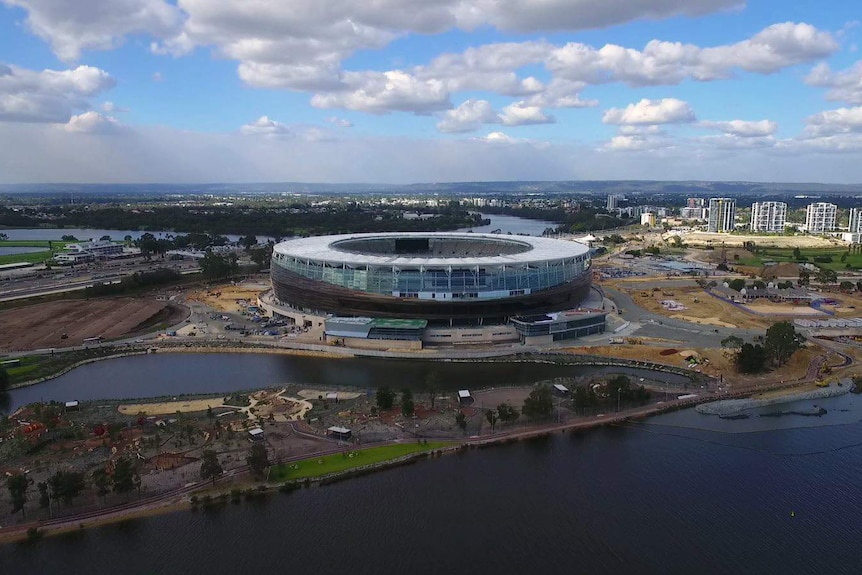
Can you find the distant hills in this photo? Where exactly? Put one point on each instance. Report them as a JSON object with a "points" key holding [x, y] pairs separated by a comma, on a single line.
{"points": [[446, 188]]}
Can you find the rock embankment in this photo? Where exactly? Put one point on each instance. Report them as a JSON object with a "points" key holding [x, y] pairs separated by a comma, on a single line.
{"points": [[729, 407]]}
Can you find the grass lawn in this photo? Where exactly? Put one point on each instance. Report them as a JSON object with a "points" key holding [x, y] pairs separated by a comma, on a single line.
{"points": [[319, 466], [33, 257], [786, 255]]}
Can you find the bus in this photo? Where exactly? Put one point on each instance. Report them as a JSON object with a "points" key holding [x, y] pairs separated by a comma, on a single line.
{"points": [[89, 340]]}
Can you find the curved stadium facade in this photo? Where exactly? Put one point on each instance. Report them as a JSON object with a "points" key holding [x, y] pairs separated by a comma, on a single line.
{"points": [[432, 276]]}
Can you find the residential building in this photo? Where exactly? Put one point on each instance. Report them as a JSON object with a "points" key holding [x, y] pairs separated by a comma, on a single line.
{"points": [[614, 201], [855, 221], [722, 215], [768, 216], [820, 217], [693, 213], [648, 219]]}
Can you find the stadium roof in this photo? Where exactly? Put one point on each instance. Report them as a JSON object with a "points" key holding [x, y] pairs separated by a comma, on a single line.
{"points": [[321, 249]]}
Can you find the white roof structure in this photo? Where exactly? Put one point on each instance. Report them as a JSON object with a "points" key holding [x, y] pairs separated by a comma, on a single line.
{"points": [[326, 249], [463, 393], [561, 388], [340, 430], [255, 432], [71, 404]]}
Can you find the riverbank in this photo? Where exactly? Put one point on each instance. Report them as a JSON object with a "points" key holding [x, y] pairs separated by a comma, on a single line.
{"points": [[732, 407]]}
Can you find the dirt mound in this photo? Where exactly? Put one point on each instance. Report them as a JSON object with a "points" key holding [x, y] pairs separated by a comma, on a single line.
{"points": [[780, 270], [670, 351]]}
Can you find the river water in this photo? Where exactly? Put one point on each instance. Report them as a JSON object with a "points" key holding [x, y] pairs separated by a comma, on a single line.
{"points": [[15, 250], [513, 225]]}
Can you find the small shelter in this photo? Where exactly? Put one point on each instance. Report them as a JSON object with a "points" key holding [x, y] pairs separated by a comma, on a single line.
{"points": [[331, 397], [464, 397], [561, 390], [340, 432], [255, 434], [72, 406]]}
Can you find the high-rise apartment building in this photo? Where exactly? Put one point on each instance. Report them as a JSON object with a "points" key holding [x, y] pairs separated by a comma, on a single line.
{"points": [[820, 217], [855, 221], [614, 201], [722, 215], [768, 216]]}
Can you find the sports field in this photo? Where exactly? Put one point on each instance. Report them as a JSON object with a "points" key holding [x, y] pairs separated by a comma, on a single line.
{"points": [[320, 466]]}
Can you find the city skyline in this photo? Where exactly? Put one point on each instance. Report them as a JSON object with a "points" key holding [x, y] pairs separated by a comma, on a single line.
{"points": [[191, 91]]}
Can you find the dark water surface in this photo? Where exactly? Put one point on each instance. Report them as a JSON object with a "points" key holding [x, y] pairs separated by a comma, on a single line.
{"points": [[615, 500], [176, 373]]}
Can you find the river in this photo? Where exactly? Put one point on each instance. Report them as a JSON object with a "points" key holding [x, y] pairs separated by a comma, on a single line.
{"points": [[642, 498], [177, 373], [507, 224], [15, 250]]}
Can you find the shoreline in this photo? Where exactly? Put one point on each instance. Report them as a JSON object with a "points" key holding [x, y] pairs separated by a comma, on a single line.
{"points": [[731, 407]]}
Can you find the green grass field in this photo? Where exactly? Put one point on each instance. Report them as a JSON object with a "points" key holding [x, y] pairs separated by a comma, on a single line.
{"points": [[786, 255], [320, 466], [34, 257]]}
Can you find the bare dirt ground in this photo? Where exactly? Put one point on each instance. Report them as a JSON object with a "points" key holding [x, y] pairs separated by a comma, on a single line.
{"points": [[42, 325], [773, 308], [224, 297], [491, 398], [703, 238], [168, 407]]}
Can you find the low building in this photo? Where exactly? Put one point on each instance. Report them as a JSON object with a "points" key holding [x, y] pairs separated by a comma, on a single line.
{"points": [[561, 390], [89, 251], [331, 397], [255, 434], [72, 406], [464, 397], [341, 433], [547, 328]]}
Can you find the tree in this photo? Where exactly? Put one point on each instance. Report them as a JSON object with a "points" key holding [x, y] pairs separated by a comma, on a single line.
{"points": [[736, 284], [217, 266], [804, 277], [407, 405], [105, 238], [4, 237], [827, 276], [126, 475], [68, 238], [66, 485], [257, 459], [750, 358], [101, 482], [539, 404], [797, 255], [732, 342], [248, 241], [781, 342], [846, 286], [4, 380], [44, 498], [432, 381], [210, 466], [385, 397], [491, 416], [18, 485], [461, 420], [507, 413]]}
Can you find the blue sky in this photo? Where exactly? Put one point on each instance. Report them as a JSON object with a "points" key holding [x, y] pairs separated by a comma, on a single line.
{"points": [[410, 90]]}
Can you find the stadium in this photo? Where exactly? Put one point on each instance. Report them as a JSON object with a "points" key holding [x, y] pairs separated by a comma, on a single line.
{"points": [[434, 280]]}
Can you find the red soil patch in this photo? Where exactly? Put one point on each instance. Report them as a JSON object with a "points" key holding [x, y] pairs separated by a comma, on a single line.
{"points": [[42, 325]]}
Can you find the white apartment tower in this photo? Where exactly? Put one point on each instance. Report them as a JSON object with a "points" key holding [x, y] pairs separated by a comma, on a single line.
{"points": [[768, 216], [613, 202], [722, 215], [855, 221], [820, 217]]}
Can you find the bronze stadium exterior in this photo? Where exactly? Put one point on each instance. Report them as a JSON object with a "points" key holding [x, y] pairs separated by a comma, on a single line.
{"points": [[433, 276]]}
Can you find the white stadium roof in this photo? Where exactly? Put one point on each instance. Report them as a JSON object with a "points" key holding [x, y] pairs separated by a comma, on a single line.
{"points": [[321, 249]]}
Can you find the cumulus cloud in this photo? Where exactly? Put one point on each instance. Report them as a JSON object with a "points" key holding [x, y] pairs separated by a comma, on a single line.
{"points": [[71, 27], [742, 128], [844, 86], [468, 117], [112, 108], [383, 92], [832, 122], [263, 126], [92, 123], [664, 111], [521, 113], [499, 138], [49, 95]]}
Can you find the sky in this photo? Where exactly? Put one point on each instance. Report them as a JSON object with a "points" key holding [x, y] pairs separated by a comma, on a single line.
{"points": [[404, 91]]}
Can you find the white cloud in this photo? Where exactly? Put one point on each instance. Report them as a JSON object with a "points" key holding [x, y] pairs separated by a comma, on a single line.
{"points": [[112, 108], [383, 92], [499, 138], [742, 128], [158, 77], [263, 126], [521, 113], [844, 86], [49, 95], [340, 122], [832, 122], [468, 117], [71, 27], [664, 63], [664, 111], [93, 123]]}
